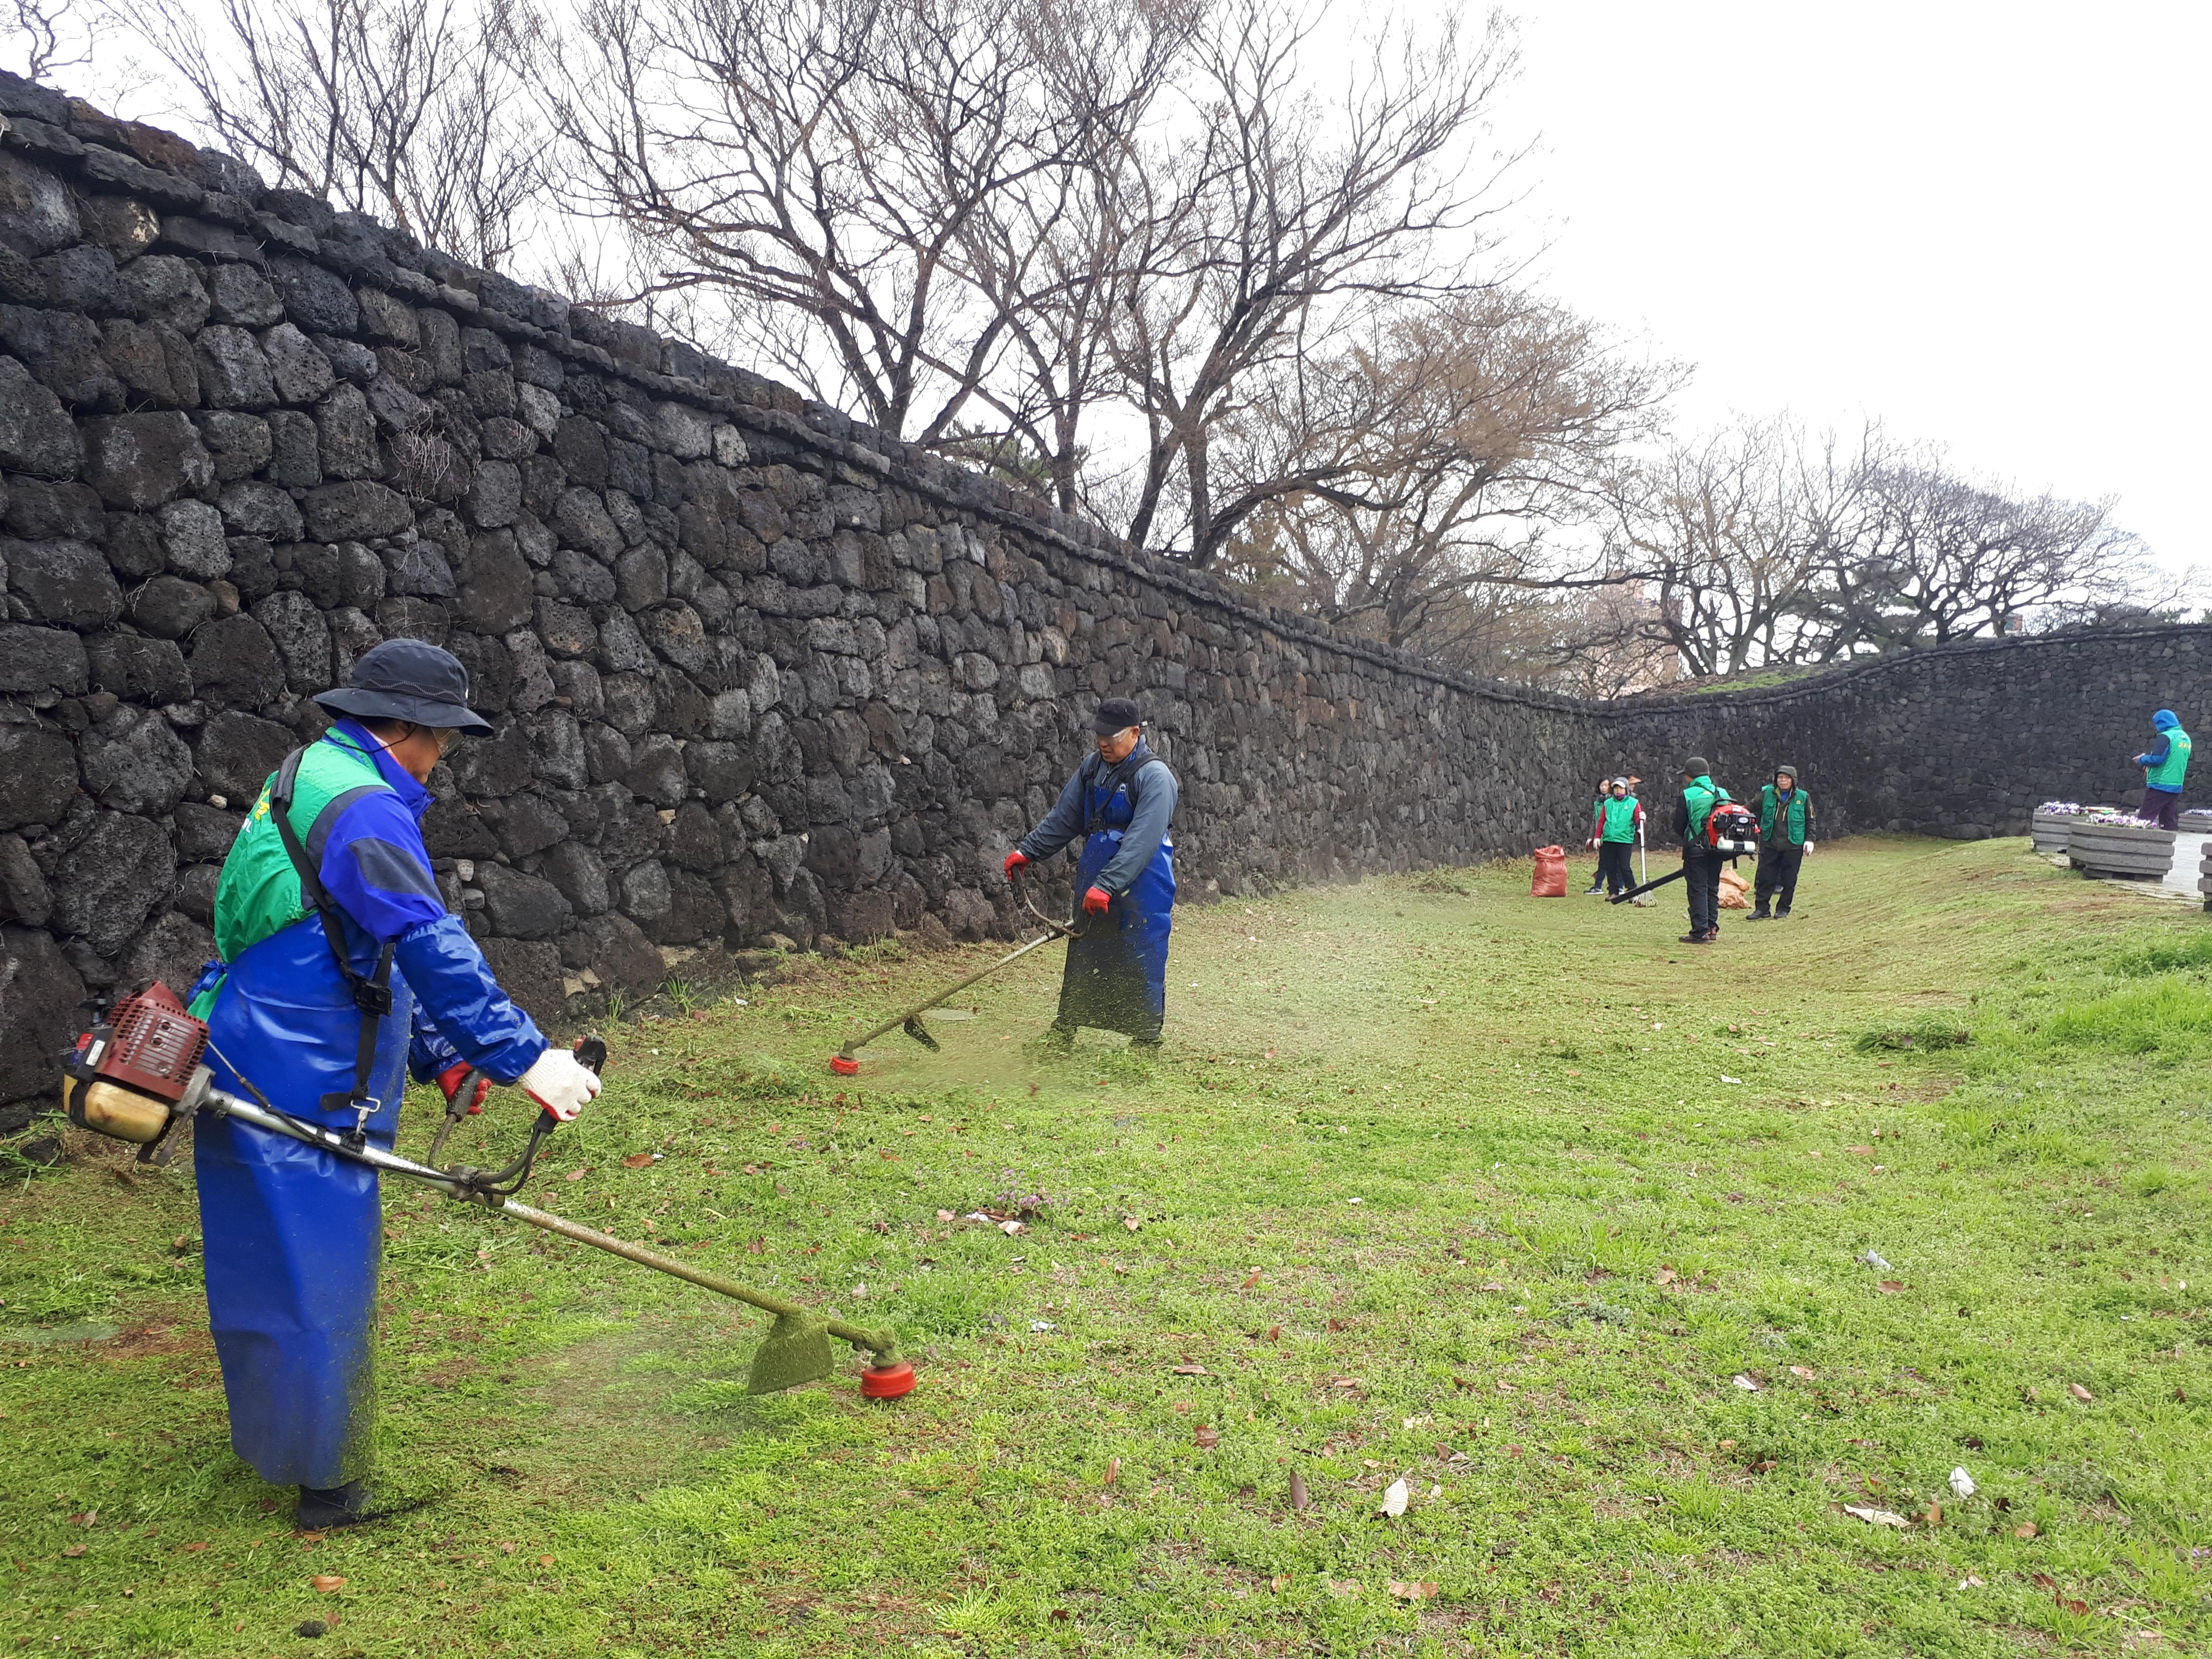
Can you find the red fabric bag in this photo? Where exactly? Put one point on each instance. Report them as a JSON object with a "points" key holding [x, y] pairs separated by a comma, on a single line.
{"points": [[1551, 873]]}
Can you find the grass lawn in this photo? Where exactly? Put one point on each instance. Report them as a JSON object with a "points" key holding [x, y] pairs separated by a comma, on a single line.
{"points": [[1640, 1265]]}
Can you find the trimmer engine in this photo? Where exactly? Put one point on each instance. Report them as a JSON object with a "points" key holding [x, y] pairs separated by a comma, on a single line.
{"points": [[136, 1075]]}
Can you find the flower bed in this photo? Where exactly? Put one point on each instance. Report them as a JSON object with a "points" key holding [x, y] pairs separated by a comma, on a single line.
{"points": [[2114, 846], [2048, 824]]}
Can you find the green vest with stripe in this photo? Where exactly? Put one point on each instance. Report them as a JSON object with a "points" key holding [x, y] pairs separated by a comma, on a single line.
{"points": [[1794, 827], [2168, 772], [259, 893], [1617, 819]]}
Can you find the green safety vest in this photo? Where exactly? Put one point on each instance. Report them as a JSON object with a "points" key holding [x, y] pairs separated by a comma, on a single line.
{"points": [[1702, 795], [1617, 819], [1800, 807], [2168, 772], [259, 892]]}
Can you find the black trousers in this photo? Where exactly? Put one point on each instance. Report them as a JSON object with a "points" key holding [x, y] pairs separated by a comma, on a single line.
{"points": [[1777, 874], [1616, 866], [1701, 874]]}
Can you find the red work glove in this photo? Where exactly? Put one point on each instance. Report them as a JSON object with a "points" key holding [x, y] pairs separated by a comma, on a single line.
{"points": [[453, 1076], [1016, 860], [1095, 900]]}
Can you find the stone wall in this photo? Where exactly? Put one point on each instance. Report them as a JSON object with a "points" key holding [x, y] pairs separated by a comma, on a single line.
{"points": [[1962, 741], [761, 676]]}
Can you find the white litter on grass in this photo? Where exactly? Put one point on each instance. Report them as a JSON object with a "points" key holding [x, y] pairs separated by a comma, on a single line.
{"points": [[1962, 1484], [1876, 1517], [1355, 1200], [1874, 1260], [1395, 1498], [1042, 1325], [1725, 1077], [1745, 1383]]}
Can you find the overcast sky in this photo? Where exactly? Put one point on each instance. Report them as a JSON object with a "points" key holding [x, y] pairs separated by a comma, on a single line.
{"points": [[1985, 223]]}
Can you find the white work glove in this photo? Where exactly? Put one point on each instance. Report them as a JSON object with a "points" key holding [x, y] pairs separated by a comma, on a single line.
{"points": [[560, 1083], [1808, 846]]}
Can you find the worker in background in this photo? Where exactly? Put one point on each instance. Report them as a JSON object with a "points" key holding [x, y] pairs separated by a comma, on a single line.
{"points": [[1701, 865], [1620, 817], [1120, 801], [1785, 836], [1597, 837], [2164, 767], [339, 965]]}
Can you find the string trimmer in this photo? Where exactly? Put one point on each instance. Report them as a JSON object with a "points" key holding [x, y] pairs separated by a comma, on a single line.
{"points": [[846, 1062], [139, 1079]]}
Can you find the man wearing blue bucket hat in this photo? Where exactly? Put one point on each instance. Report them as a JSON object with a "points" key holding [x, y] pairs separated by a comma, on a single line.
{"points": [[339, 965]]}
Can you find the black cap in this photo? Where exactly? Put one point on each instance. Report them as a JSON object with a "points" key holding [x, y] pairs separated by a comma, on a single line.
{"points": [[1695, 767], [409, 680], [1115, 714]]}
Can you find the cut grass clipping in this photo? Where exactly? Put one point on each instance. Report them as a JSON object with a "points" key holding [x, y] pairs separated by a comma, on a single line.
{"points": [[1473, 1274]]}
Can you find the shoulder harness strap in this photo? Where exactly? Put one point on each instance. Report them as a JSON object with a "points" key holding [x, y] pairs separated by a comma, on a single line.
{"points": [[372, 993]]}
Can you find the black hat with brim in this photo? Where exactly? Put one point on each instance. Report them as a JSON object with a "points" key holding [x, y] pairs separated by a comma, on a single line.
{"points": [[1116, 714], [409, 680], [1695, 767]]}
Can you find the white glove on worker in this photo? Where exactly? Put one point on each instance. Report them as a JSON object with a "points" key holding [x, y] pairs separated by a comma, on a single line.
{"points": [[560, 1083]]}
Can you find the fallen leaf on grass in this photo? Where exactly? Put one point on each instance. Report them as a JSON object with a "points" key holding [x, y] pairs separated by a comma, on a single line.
{"points": [[1279, 1583], [1493, 1288], [2079, 1392], [2077, 1609], [1270, 1054], [1205, 1438], [1342, 1324], [327, 1581], [1274, 1332], [1665, 1276], [945, 1215], [2026, 1529], [74, 1551], [1343, 1588], [1863, 1151], [1803, 1372], [1251, 1280], [1934, 1515], [1300, 1499], [1396, 1497], [756, 1246], [1420, 1590], [1890, 1286], [637, 1160], [577, 1174], [1190, 1370], [1131, 1223], [544, 1560], [194, 1549], [1745, 1383], [1874, 1517], [2043, 1581]]}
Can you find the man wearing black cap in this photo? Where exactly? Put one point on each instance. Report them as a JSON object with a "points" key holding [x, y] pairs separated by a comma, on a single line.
{"points": [[339, 965], [1701, 865], [1120, 800]]}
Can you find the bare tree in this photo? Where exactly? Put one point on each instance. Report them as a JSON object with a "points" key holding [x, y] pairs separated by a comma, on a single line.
{"points": [[410, 111], [48, 37], [1492, 424], [1938, 557], [818, 165], [1276, 231]]}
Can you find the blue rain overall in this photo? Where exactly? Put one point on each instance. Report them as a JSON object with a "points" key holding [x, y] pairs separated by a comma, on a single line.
{"points": [[1116, 974], [294, 1235]]}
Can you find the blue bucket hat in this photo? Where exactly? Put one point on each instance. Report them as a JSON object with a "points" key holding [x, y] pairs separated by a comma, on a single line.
{"points": [[409, 680]]}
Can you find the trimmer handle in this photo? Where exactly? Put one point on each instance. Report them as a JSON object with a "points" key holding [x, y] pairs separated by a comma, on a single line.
{"points": [[591, 1054]]}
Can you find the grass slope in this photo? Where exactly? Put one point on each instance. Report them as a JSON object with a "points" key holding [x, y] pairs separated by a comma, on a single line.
{"points": [[1509, 1200]]}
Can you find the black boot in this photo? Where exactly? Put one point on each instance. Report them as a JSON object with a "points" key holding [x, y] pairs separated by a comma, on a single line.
{"points": [[322, 1508], [1760, 915], [1695, 939], [1782, 915]]}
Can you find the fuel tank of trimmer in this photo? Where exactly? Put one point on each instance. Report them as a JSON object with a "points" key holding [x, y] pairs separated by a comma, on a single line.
{"points": [[135, 1073]]}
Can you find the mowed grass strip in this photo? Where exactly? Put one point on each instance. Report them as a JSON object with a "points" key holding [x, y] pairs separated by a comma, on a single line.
{"points": [[1640, 1266]]}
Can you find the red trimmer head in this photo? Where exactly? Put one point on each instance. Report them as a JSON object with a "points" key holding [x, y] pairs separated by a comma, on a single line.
{"points": [[887, 1381], [844, 1067]]}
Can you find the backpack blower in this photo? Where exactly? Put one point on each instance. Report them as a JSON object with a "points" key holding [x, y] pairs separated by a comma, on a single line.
{"points": [[138, 1077], [1731, 830]]}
